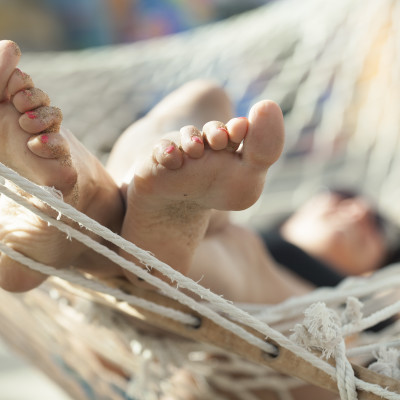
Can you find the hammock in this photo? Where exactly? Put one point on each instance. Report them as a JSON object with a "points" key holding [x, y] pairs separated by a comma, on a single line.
{"points": [[333, 67]]}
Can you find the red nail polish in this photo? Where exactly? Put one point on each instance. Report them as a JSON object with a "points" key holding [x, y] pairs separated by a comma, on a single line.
{"points": [[169, 149], [44, 139], [31, 115], [223, 129], [242, 118], [196, 139]]}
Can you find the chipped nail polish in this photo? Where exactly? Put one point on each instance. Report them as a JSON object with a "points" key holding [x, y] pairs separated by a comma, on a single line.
{"points": [[196, 139], [169, 149], [31, 115], [44, 139], [224, 130]]}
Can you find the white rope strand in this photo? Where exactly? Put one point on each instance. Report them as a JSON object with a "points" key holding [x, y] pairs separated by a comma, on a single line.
{"points": [[221, 303], [370, 348], [77, 278], [131, 267], [372, 320], [360, 287], [334, 68]]}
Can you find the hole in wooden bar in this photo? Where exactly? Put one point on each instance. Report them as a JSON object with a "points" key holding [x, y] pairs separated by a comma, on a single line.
{"points": [[274, 354], [196, 325]]}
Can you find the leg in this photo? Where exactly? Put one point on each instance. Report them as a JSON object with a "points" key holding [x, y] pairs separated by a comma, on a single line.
{"points": [[196, 102], [175, 189], [33, 144], [236, 251]]}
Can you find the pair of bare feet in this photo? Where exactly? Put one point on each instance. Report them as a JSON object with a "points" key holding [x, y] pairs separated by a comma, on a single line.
{"points": [[165, 206]]}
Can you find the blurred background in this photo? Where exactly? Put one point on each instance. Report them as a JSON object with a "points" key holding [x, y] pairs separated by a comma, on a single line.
{"points": [[332, 66], [75, 24]]}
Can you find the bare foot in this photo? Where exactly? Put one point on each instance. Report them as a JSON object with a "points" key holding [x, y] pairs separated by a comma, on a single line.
{"points": [[33, 144], [172, 193]]}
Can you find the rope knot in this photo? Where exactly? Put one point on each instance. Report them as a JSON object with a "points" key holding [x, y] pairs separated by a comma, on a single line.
{"points": [[387, 362], [319, 330]]}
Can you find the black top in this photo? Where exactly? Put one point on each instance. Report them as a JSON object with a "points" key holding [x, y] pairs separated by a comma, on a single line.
{"points": [[295, 259], [305, 266]]}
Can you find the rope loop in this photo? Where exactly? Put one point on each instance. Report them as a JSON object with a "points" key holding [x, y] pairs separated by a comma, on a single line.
{"points": [[321, 330], [352, 313]]}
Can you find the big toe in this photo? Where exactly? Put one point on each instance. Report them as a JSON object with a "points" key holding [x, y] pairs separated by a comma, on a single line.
{"points": [[265, 138], [9, 58]]}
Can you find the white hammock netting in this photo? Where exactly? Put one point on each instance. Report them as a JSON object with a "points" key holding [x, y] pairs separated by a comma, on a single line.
{"points": [[333, 67]]}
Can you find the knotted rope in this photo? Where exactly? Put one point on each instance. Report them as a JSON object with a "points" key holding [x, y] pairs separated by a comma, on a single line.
{"points": [[321, 330]]}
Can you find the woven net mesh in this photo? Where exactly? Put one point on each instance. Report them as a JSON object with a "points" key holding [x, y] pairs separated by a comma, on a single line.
{"points": [[333, 68]]}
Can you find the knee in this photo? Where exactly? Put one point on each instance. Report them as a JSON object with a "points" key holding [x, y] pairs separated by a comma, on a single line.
{"points": [[194, 103], [211, 98], [205, 87], [209, 91]]}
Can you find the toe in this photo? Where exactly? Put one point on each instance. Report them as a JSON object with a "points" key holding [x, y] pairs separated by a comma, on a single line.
{"points": [[192, 141], [237, 129], [29, 99], [167, 154], [41, 119], [49, 145], [19, 81], [53, 165], [15, 277], [216, 134], [9, 58], [265, 137]]}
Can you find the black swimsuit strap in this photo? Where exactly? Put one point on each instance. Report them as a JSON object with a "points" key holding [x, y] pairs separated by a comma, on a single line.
{"points": [[298, 261], [305, 266]]}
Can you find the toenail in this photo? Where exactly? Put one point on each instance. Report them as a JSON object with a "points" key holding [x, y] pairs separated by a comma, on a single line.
{"points": [[196, 139], [169, 149], [44, 139], [224, 130], [16, 49], [31, 115]]}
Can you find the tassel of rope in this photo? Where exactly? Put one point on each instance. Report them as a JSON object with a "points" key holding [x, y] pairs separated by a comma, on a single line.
{"points": [[321, 330], [387, 363]]}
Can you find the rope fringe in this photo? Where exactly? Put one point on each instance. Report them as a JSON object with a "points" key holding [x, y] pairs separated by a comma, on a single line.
{"points": [[387, 362]]}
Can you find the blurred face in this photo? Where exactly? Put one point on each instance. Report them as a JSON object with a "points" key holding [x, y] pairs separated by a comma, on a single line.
{"points": [[340, 231]]}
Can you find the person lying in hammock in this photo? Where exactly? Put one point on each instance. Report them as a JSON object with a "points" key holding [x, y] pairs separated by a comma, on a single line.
{"points": [[160, 191], [334, 234], [168, 193]]}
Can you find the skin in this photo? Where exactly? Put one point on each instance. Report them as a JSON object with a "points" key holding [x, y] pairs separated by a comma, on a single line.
{"points": [[342, 232], [184, 182], [237, 251], [33, 144], [171, 171]]}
